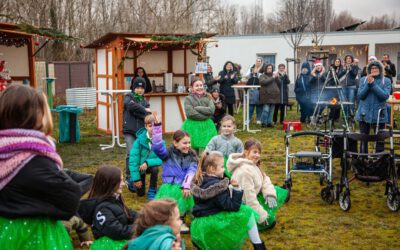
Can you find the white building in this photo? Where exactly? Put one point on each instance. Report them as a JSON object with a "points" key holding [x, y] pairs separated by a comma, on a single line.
{"points": [[275, 49]]}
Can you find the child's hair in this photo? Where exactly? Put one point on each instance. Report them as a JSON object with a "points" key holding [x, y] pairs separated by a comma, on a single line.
{"points": [[149, 119], [106, 181], [20, 107], [252, 143], [195, 79], [155, 212], [208, 159], [228, 118], [179, 135]]}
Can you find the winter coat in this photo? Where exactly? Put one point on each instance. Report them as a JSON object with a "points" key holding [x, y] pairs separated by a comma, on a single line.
{"points": [[199, 108], [225, 144], [316, 84], [134, 114], [226, 83], [107, 218], [140, 153], [302, 87], [213, 196], [210, 82], [350, 75], [252, 181], [159, 237], [40, 189], [390, 71], [373, 97], [253, 79], [219, 112], [269, 91], [178, 168], [284, 89]]}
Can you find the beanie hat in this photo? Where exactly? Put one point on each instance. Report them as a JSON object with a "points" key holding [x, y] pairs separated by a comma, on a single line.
{"points": [[139, 82], [372, 58]]}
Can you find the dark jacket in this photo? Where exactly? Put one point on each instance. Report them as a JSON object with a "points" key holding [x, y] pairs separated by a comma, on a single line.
{"points": [[134, 114], [316, 84], [269, 91], [390, 70], [107, 218], [302, 87], [350, 74], [219, 112], [283, 88], [226, 83], [213, 196], [210, 81], [40, 189]]}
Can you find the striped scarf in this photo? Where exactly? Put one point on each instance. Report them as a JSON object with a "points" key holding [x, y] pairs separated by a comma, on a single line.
{"points": [[18, 147]]}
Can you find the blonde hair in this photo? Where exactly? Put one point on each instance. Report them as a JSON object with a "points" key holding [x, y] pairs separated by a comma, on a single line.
{"points": [[149, 119], [208, 159]]}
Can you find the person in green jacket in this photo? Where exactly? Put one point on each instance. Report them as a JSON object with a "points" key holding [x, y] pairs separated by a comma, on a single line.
{"points": [[157, 227], [143, 160]]}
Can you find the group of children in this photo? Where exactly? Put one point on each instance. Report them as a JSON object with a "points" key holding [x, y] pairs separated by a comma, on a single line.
{"points": [[226, 192]]}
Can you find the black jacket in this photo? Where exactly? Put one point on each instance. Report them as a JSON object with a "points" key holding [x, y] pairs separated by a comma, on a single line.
{"points": [[226, 81], [390, 71], [40, 189], [213, 196], [134, 114], [283, 88], [107, 217], [209, 81]]}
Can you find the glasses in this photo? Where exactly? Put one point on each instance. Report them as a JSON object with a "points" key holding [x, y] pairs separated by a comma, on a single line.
{"points": [[374, 68]]}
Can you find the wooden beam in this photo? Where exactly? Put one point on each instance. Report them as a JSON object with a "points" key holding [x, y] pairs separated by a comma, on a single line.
{"points": [[178, 100], [163, 113], [185, 68], [31, 58], [170, 61]]}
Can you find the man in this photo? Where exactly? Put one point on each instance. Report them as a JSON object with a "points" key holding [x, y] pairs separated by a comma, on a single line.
{"points": [[390, 69]]}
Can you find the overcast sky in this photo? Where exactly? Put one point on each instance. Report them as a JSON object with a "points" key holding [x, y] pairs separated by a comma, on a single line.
{"points": [[362, 9]]}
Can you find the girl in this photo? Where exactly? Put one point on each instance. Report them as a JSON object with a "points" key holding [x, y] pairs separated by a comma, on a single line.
{"points": [[303, 92], [199, 109], [35, 194], [179, 166], [105, 210], [226, 78], [157, 227], [226, 143], [269, 94], [140, 72], [259, 193], [253, 75], [221, 221]]}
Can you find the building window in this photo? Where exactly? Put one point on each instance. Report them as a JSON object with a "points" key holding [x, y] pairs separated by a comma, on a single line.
{"points": [[268, 58]]}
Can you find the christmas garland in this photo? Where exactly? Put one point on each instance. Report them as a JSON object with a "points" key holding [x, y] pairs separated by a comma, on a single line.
{"points": [[192, 39], [52, 33]]}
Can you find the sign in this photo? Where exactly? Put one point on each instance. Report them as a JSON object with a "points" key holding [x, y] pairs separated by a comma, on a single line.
{"points": [[201, 67]]}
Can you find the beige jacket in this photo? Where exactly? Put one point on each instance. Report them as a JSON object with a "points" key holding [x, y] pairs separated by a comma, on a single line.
{"points": [[252, 181]]}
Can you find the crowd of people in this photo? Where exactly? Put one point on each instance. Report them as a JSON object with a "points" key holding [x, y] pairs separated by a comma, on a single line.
{"points": [[224, 188]]}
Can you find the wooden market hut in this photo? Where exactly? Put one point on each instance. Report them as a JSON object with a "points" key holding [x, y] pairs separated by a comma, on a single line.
{"points": [[161, 55]]}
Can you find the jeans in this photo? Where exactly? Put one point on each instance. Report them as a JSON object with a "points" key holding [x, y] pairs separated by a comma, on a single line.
{"points": [[267, 114], [259, 110], [364, 129], [349, 94], [281, 108], [129, 140]]}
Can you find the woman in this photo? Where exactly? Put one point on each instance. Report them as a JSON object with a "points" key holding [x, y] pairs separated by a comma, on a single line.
{"points": [[269, 95], [303, 92], [34, 191], [283, 95], [334, 114], [226, 78], [350, 82], [140, 72], [253, 75]]}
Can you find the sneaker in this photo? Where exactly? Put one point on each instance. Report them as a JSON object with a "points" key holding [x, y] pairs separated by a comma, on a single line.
{"points": [[258, 122], [184, 229], [151, 195], [130, 186]]}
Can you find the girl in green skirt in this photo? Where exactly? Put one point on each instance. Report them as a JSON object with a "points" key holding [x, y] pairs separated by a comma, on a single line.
{"points": [[221, 220]]}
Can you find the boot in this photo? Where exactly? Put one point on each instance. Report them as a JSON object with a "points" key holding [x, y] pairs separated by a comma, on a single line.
{"points": [[259, 246]]}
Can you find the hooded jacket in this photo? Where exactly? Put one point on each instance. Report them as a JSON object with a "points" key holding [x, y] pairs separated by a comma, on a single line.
{"points": [[107, 218], [140, 153], [199, 108], [269, 91], [373, 96], [178, 168], [302, 87], [252, 181], [213, 196], [134, 114], [226, 83], [159, 237]]}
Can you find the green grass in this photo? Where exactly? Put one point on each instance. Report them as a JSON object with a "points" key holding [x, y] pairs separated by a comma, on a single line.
{"points": [[306, 222]]}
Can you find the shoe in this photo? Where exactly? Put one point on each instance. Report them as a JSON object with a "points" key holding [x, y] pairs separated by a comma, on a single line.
{"points": [[130, 186], [263, 125], [259, 246], [184, 229], [258, 122], [269, 125], [151, 194]]}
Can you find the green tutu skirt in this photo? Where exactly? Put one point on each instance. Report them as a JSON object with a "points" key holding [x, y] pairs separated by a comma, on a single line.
{"points": [[226, 172], [200, 132], [281, 195], [33, 233], [174, 191], [105, 243], [224, 230]]}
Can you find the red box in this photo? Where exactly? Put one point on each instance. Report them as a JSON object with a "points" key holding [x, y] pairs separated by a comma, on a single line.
{"points": [[293, 125]]}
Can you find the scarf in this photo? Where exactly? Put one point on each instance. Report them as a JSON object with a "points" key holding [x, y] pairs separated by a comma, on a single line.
{"points": [[18, 147], [138, 97]]}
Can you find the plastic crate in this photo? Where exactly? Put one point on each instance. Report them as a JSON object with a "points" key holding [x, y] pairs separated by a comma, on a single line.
{"points": [[293, 125]]}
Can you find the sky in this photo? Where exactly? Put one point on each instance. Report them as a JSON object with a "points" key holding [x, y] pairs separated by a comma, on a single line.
{"points": [[362, 9]]}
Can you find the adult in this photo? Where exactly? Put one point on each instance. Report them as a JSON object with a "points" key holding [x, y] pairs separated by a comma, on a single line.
{"points": [[349, 82], [316, 83], [226, 78], [252, 76], [269, 94], [302, 90], [373, 92], [209, 79], [140, 72], [370, 59], [283, 95], [35, 194], [337, 66], [388, 66]]}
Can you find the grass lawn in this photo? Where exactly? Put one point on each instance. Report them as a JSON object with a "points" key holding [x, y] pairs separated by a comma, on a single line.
{"points": [[305, 222]]}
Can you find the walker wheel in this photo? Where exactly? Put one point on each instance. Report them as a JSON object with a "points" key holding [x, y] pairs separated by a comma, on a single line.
{"points": [[327, 194], [393, 199], [344, 201]]}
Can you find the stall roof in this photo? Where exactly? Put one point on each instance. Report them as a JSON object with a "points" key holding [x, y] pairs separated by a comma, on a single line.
{"points": [[138, 37]]}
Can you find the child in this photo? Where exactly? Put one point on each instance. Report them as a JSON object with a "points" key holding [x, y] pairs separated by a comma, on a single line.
{"points": [[221, 221], [35, 194], [259, 193], [157, 227], [220, 109], [179, 166], [199, 109], [135, 110], [143, 160], [226, 142], [105, 210], [226, 78]]}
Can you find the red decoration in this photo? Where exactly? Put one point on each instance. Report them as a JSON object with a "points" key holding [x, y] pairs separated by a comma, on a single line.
{"points": [[37, 43], [141, 46], [81, 45], [183, 47], [155, 46]]}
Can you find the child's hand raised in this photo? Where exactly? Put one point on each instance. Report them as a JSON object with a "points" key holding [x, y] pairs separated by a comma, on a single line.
{"points": [[234, 183], [177, 243]]}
